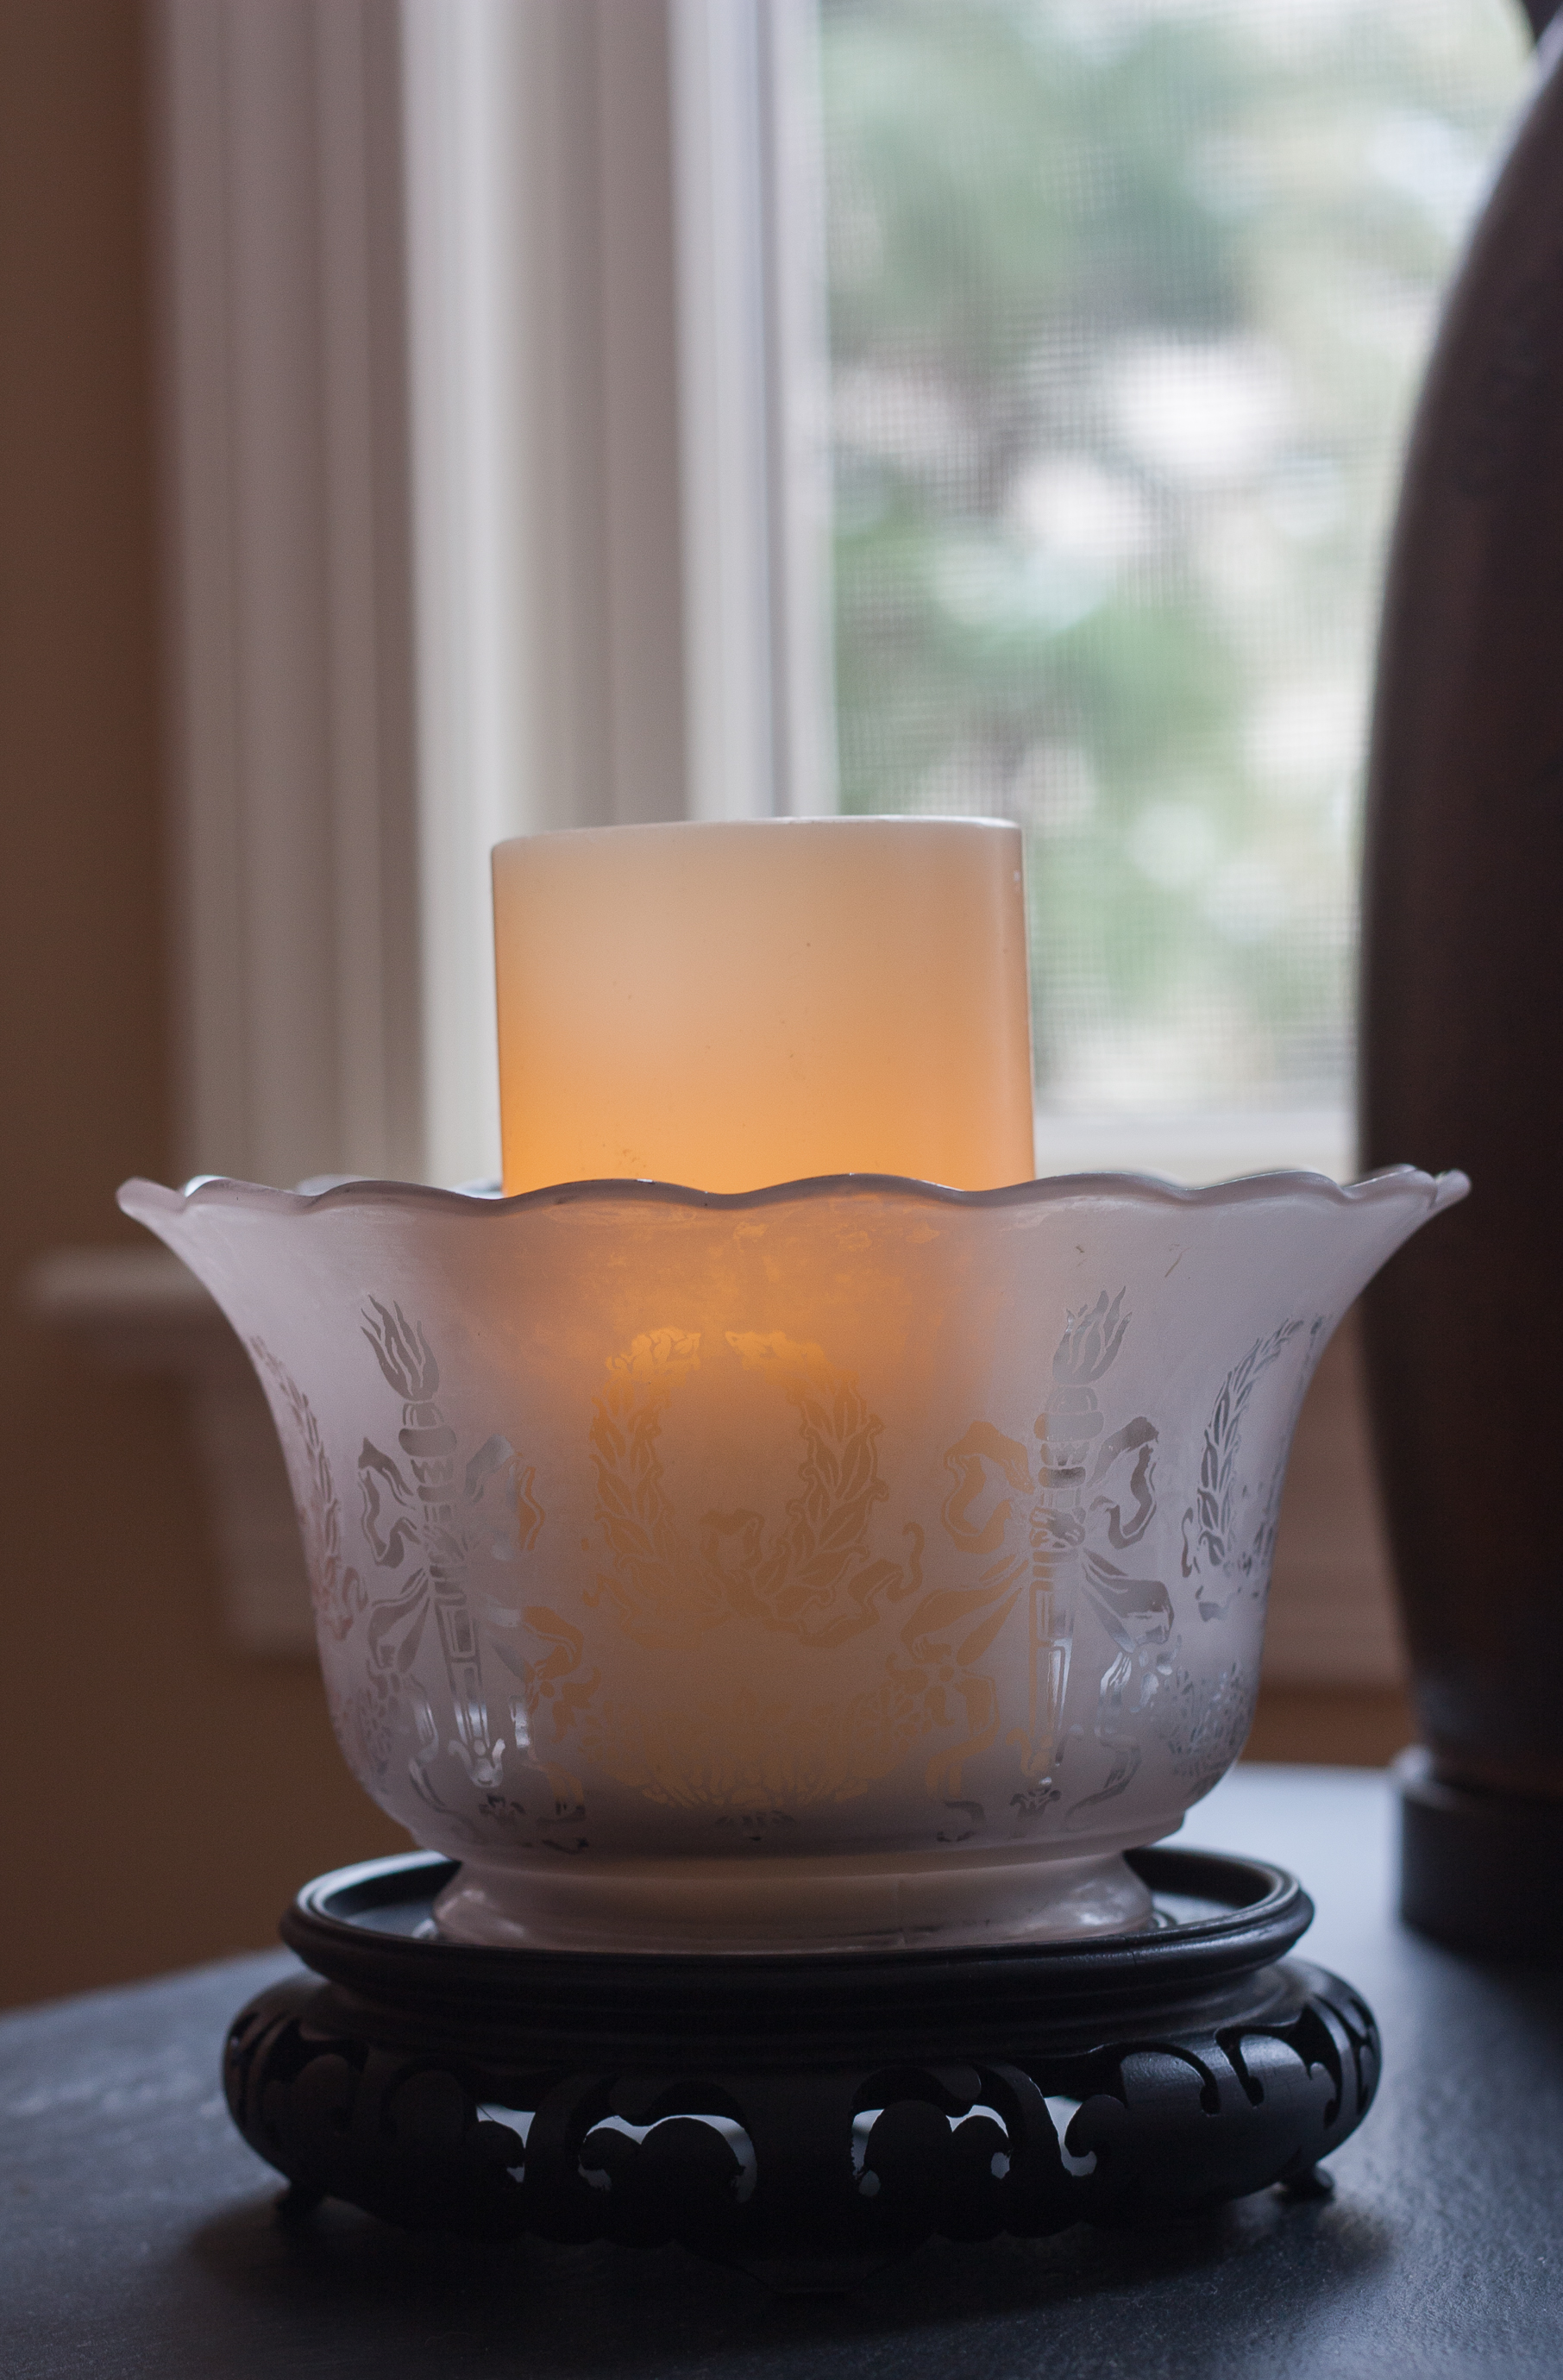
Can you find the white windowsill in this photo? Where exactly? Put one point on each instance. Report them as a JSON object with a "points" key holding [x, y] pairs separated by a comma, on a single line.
{"points": [[1198, 1145], [139, 1310]]}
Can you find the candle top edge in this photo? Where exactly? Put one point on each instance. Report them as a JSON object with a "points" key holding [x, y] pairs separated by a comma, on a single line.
{"points": [[709, 828]]}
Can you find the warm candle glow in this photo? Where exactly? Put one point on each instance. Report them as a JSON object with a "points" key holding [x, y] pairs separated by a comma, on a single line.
{"points": [[737, 1004]]}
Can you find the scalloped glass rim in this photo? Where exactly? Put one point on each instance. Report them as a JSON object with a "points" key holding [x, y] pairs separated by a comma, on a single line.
{"points": [[139, 1195], [923, 1320]]}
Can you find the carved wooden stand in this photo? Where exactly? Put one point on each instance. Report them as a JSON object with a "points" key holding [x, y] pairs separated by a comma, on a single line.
{"points": [[807, 2117]]}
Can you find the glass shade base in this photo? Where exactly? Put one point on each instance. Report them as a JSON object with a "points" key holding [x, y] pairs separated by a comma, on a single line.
{"points": [[896, 1901]]}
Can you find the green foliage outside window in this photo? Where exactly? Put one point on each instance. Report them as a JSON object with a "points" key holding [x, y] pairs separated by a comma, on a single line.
{"points": [[1128, 303]]}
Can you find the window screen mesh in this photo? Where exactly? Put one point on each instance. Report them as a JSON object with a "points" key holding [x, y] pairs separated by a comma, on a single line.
{"points": [[1128, 300]]}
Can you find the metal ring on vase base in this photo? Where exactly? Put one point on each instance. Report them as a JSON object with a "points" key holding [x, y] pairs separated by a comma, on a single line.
{"points": [[1475, 1865], [807, 2117]]}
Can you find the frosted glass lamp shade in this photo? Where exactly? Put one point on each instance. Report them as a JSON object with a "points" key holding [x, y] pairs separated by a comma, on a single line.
{"points": [[845, 1565], [734, 1005]]}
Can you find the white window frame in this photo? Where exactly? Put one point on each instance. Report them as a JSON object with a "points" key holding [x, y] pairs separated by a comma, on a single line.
{"points": [[496, 470], [282, 413]]}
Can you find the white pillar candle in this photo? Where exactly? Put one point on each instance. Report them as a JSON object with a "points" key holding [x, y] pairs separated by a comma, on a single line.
{"points": [[731, 1006]]}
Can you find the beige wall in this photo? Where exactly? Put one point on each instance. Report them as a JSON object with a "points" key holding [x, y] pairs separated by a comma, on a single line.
{"points": [[160, 1795]]}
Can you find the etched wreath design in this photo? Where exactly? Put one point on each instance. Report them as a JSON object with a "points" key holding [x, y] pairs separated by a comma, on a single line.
{"points": [[336, 1590]]}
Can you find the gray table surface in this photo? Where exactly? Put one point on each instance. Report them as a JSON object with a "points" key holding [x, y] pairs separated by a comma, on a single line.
{"points": [[139, 2235]]}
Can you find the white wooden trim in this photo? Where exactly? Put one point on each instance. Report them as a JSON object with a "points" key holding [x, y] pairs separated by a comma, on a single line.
{"points": [[284, 480], [139, 1310], [754, 377], [467, 371], [801, 459], [422, 467], [541, 331], [1198, 1145], [725, 388]]}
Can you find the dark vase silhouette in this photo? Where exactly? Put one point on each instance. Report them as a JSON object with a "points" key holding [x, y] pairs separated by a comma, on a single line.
{"points": [[1462, 1064]]}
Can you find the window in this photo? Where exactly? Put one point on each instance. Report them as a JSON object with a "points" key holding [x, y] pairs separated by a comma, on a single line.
{"points": [[506, 395], [1129, 300]]}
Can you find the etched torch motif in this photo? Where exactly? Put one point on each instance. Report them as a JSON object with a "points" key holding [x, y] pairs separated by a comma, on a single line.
{"points": [[437, 1529], [1090, 1502]]}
